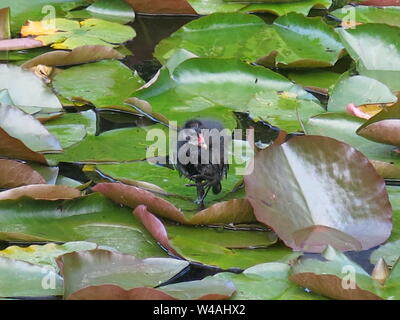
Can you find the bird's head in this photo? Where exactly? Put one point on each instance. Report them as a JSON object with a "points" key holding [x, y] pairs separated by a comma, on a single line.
{"points": [[193, 135]]}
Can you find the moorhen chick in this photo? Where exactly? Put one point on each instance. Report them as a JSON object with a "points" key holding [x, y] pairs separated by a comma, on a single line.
{"points": [[201, 155]]}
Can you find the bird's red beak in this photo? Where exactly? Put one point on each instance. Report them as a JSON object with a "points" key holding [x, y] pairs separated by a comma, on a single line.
{"points": [[201, 142]]}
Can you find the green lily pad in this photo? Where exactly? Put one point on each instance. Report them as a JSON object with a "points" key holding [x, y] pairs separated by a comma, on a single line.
{"points": [[104, 83], [385, 41], [119, 145], [92, 218], [390, 252], [212, 6], [247, 37], [72, 128], [23, 279], [371, 14], [114, 11], [358, 90], [343, 127], [314, 78], [198, 88]]}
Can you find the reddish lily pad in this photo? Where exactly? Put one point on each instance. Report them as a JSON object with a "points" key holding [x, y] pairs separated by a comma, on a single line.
{"points": [[383, 127], [82, 54], [14, 148], [316, 191], [41, 192], [16, 174]]}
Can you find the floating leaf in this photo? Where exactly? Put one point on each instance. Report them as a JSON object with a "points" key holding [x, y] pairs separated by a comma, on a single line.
{"points": [[38, 9], [41, 192], [367, 14], [69, 34], [337, 208], [383, 127], [390, 252], [211, 6], [82, 54], [314, 78], [115, 11], [198, 86], [223, 247], [267, 281], [337, 278], [343, 127], [27, 90], [385, 40], [105, 83], [254, 40], [91, 218], [358, 90], [45, 255], [16, 174], [22, 279], [82, 270]]}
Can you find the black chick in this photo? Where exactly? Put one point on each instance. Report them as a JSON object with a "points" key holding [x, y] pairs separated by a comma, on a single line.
{"points": [[201, 155]]}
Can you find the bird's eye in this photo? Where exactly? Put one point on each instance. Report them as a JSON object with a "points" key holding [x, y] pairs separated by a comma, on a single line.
{"points": [[187, 138]]}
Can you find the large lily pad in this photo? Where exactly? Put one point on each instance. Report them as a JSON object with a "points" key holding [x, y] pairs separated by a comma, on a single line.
{"points": [[248, 38], [347, 206], [103, 83], [119, 145], [92, 218], [385, 41], [198, 87]]}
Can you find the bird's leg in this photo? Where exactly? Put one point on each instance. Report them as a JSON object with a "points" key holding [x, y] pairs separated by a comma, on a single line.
{"points": [[207, 187], [200, 195]]}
